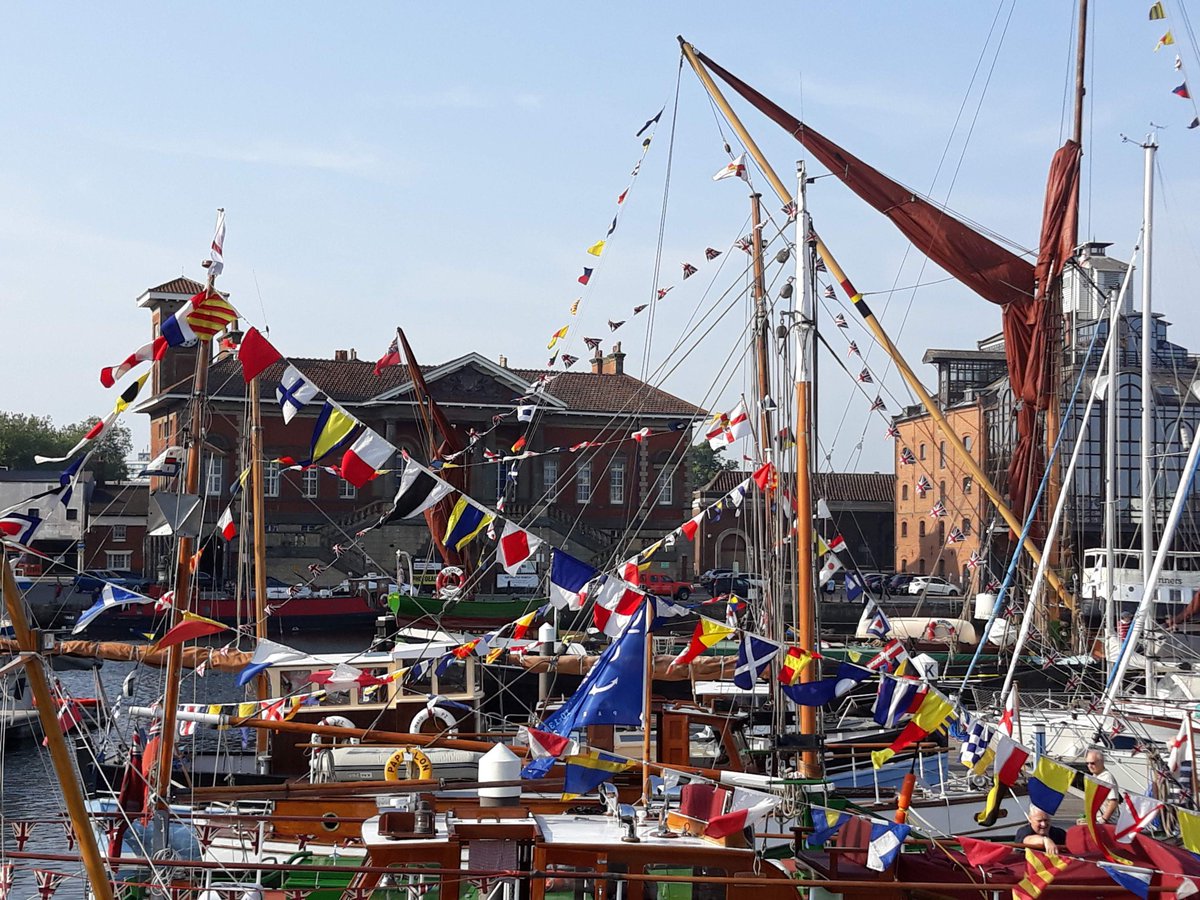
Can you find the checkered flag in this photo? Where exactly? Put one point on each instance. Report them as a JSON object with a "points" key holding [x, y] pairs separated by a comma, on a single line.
{"points": [[978, 738]]}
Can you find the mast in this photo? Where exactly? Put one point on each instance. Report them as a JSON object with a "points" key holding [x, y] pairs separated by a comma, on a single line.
{"points": [[875, 328], [804, 607], [647, 718], [64, 767], [763, 371], [262, 739], [183, 572], [1149, 513]]}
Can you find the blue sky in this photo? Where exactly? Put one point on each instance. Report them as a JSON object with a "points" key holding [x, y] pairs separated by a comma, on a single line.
{"points": [[444, 167]]}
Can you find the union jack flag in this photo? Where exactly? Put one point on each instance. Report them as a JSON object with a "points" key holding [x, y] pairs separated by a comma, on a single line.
{"points": [[852, 350], [819, 265], [956, 536], [592, 343], [302, 841], [296, 894], [6, 880], [1049, 660], [613, 326], [907, 457], [790, 210], [356, 893], [662, 292], [689, 270], [923, 485], [877, 404], [864, 376], [974, 560], [47, 882], [745, 244], [937, 511], [831, 294], [710, 254], [1074, 682], [181, 892], [894, 433], [568, 360], [69, 831], [639, 309], [22, 830], [205, 835], [839, 320]]}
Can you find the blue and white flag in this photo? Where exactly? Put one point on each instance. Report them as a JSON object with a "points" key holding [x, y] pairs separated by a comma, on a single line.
{"points": [[110, 596], [1132, 878], [895, 700], [819, 693], [754, 655], [294, 392], [854, 586], [267, 654], [568, 580], [886, 841], [976, 743], [879, 626]]}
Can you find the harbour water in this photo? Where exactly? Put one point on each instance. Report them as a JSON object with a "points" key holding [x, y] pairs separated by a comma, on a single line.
{"points": [[29, 789]]}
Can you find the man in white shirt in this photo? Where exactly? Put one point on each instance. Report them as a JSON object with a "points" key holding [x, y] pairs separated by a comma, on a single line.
{"points": [[1094, 760]]}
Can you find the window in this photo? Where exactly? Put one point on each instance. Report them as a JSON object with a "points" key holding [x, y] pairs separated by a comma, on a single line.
{"points": [[310, 483], [921, 564], [118, 534], [966, 529], [550, 478], [942, 455], [583, 482], [34, 512], [922, 453], [72, 514], [346, 490], [968, 484], [214, 476], [967, 440], [665, 486], [942, 491], [271, 479], [903, 529], [921, 528], [941, 535], [118, 559], [904, 492], [904, 565], [616, 482]]}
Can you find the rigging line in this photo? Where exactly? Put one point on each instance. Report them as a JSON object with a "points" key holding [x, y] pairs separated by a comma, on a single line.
{"points": [[1069, 49], [662, 224]]}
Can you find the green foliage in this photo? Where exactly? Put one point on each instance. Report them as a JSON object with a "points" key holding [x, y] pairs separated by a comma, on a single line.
{"points": [[705, 463], [23, 436]]}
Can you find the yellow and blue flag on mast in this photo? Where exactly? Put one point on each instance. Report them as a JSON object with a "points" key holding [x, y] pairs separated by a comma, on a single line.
{"points": [[333, 427], [466, 521], [587, 771]]}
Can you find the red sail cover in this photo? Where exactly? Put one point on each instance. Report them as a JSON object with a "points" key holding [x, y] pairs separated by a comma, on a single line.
{"points": [[991, 271]]}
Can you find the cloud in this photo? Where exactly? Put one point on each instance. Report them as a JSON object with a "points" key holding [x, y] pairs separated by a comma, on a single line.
{"points": [[364, 161]]}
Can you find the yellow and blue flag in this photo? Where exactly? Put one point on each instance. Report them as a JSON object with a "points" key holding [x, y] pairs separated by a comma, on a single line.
{"points": [[332, 429], [826, 823], [466, 521], [587, 771], [1049, 784]]}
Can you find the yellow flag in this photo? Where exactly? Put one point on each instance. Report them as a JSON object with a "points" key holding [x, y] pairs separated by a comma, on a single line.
{"points": [[991, 809], [130, 393], [494, 655], [1189, 829], [557, 336], [575, 306], [192, 617], [1165, 41], [597, 248], [333, 426], [247, 710]]}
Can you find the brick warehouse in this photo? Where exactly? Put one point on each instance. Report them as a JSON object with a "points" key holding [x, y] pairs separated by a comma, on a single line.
{"points": [[583, 502]]}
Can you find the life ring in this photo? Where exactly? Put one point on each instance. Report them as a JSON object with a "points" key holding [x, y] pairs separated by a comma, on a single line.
{"points": [[442, 715], [449, 582], [406, 763], [939, 629], [336, 722]]}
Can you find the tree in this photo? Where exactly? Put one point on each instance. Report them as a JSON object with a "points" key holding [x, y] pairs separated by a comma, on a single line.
{"points": [[24, 436], [705, 462]]}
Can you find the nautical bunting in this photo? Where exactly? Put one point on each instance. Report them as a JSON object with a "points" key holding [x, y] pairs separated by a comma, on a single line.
{"points": [[295, 392]]}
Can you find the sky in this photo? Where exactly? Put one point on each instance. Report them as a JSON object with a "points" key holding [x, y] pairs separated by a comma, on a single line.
{"points": [[444, 167]]}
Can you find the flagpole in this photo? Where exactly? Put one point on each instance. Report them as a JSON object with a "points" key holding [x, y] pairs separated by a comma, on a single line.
{"points": [[161, 785], [647, 719], [47, 709], [257, 490], [836, 272]]}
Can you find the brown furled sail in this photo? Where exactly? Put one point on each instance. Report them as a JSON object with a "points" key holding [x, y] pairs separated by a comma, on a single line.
{"points": [[993, 272], [444, 440]]}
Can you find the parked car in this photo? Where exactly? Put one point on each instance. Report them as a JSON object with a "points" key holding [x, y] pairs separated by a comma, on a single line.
{"points": [[665, 586], [898, 583], [748, 587], [932, 584], [131, 579], [94, 580], [707, 577], [876, 582]]}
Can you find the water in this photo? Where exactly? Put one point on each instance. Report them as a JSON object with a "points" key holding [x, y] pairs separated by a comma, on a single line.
{"points": [[29, 789]]}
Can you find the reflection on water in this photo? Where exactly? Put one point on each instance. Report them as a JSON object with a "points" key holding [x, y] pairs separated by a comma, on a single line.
{"points": [[29, 789]]}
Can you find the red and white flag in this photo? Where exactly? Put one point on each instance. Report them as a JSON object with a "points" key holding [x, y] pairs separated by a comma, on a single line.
{"points": [[1009, 717], [1010, 758], [365, 458], [47, 882], [226, 526], [1181, 747], [728, 428], [749, 808], [516, 546], [1136, 812], [641, 434], [735, 169], [110, 375], [545, 744], [616, 604], [692, 526]]}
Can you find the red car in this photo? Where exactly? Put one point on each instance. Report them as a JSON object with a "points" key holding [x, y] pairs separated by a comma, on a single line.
{"points": [[657, 583]]}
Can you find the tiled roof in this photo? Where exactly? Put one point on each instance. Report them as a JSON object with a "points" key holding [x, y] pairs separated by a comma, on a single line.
{"points": [[354, 381], [119, 500], [846, 487], [180, 285]]}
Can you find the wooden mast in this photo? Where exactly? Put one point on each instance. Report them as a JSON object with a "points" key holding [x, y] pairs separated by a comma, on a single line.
{"points": [[874, 326], [64, 767], [183, 570], [259, 526]]}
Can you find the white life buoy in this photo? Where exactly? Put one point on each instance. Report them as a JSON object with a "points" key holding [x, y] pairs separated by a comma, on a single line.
{"points": [[442, 715], [449, 582], [336, 722], [407, 763]]}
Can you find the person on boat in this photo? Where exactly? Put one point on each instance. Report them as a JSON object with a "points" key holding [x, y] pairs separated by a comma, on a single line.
{"points": [[1097, 771], [1040, 832]]}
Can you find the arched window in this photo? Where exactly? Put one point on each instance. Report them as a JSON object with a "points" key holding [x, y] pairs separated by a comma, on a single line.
{"points": [[922, 451], [904, 565], [921, 528], [968, 485], [904, 492], [967, 440], [921, 564], [941, 533], [966, 529], [942, 491], [942, 455], [903, 529]]}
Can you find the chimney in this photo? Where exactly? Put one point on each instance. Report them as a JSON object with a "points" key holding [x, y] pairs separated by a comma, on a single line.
{"points": [[503, 361], [597, 362], [614, 363], [353, 353], [340, 355]]}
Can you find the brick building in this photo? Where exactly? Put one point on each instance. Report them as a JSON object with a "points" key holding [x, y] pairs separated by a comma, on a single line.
{"points": [[116, 534], [585, 502]]}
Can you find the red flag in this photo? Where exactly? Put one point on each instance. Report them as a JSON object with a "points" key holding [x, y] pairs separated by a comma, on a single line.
{"points": [[256, 354], [764, 476], [516, 546], [985, 854], [391, 358], [187, 630]]}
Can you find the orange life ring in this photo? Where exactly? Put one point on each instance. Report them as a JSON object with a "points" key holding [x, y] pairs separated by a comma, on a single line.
{"points": [[449, 582]]}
